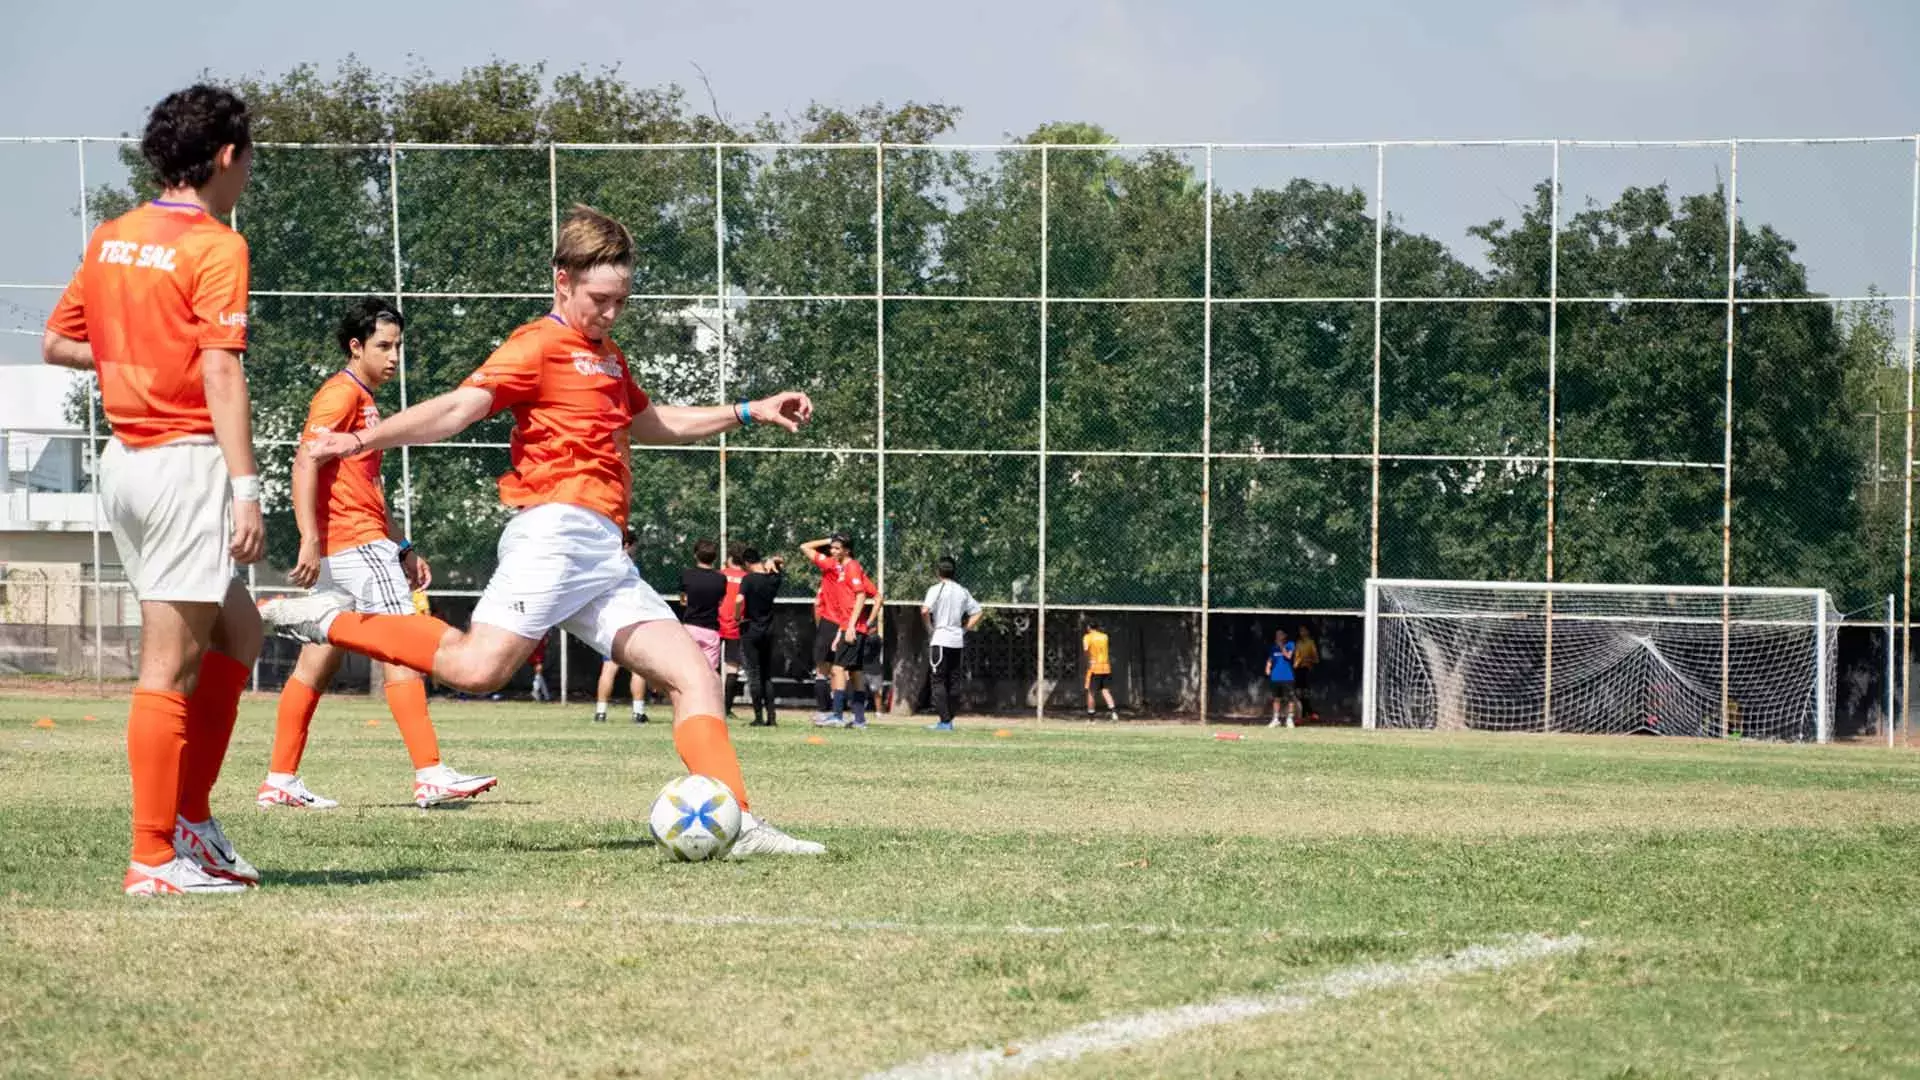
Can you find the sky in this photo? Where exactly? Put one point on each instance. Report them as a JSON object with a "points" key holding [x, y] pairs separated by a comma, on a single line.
{"points": [[1192, 70]]}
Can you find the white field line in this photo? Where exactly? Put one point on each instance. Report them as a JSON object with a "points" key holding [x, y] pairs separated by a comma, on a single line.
{"points": [[789, 922], [1122, 1032]]}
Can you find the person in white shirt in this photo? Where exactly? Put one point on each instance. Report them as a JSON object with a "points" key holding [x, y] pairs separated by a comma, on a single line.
{"points": [[949, 611]]}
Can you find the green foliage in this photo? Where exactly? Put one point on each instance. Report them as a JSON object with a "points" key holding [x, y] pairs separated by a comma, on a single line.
{"points": [[811, 230]]}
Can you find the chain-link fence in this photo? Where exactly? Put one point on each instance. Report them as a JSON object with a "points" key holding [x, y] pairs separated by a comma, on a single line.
{"points": [[1196, 392]]}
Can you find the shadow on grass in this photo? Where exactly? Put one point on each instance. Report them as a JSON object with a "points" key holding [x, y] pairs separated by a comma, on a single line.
{"points": [[624, 843], [305, 878]]}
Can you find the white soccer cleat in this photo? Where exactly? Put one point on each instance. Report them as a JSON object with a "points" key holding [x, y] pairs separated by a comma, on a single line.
{"points": [[206, 844], [1273, 723], [292, 793], [442, 784], [304, 618], [179, 876], [758, 837]]}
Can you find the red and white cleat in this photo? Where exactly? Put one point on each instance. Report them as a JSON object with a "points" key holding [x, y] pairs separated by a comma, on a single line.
{"points": [[439, 784], [179, 876], [291, 793], [206, 844]]}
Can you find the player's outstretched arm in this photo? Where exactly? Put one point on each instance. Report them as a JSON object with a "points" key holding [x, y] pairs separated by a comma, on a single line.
{"points": [[672, 425], [430, 421]]}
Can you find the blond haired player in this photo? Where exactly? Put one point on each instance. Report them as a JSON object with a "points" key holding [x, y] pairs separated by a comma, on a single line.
{"points": [[346, 546], [576, 411], [158, 310]]}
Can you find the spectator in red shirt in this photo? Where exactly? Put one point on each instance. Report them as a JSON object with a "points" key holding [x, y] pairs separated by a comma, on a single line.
{"points": [[845, 594]]}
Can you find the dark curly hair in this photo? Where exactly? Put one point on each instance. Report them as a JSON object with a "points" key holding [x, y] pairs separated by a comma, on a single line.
{"points": [[360, 321], [187, 129]]}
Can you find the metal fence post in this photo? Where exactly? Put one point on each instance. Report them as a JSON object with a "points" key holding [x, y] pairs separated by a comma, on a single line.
{"points": [[1206, 444], [1040, 592]]}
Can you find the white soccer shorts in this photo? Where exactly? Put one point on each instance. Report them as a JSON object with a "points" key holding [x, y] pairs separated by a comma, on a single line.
{"points": [[563, 565], [171, 511], [372, 575]]}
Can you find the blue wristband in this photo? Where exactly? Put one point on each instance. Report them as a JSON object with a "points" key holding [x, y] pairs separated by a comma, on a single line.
{"points": [[744, 412], [406, 548]]}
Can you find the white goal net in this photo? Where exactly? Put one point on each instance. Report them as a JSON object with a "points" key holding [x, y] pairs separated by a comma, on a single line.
{"points": [[1671, 660]]}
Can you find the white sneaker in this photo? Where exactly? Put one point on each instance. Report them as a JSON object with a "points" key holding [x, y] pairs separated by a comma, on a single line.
{"points": [[293, 793], [1289, 721], [206, 844], [177, 876], [758, 837], [304, 618], [1275, 722], [442, 784]]}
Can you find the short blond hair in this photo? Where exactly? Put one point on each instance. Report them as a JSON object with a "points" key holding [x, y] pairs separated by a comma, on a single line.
{"points": [[589, 238]]}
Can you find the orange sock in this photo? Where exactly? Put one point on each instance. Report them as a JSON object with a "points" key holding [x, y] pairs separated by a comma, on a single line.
{"points": [[408, 700], [295, 718], [408, 640], [706, 750], [156, 743], [210, 713]]}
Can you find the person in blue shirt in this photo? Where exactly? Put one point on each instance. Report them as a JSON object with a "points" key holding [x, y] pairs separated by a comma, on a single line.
{"points": [[1280, 678]]}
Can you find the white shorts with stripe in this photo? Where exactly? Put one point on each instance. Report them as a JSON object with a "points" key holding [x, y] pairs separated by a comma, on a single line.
{"points": [[563, 565], [171, 511], [371, 574]]}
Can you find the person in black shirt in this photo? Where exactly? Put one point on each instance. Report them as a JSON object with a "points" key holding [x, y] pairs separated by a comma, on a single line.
{"points": [[758, 589], [702, 588]]}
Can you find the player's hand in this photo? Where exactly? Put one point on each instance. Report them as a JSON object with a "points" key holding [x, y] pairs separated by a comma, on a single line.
{"points": [[836, 636], [306, 569], [249, 535], [333, 444], [786, 410], [419, 574]]}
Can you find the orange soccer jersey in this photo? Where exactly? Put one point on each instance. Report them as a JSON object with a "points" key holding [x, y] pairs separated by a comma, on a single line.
{"points": [[157, 285], [353, 505], [572, 401], [1094, 644]]}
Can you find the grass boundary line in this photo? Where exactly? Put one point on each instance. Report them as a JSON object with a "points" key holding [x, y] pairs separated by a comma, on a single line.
{"points": [[1123, 1032], [763, 922]]}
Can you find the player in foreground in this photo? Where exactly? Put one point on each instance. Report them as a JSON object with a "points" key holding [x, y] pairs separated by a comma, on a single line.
{"points": [[576, 410], [1095, 649], [158, 310], [346, 546], [845, 590]]}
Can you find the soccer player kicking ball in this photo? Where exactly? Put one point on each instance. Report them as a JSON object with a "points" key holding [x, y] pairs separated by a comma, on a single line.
{"points": [[346, 547], [576, 412], [158, 311]]}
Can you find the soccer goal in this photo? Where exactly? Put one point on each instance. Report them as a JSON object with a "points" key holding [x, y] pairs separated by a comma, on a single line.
{"points": [[1665, 659]]}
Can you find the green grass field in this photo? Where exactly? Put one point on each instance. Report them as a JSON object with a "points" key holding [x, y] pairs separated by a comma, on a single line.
{"points": [[1744, 909]]}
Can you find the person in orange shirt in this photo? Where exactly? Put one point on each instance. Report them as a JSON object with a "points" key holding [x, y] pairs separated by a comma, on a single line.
{"points": [[576, 412], [158, 311], [346, 546], [1095, 648]]}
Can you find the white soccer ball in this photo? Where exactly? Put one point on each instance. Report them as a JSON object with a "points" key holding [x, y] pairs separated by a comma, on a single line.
{"points": [[695, 818]]}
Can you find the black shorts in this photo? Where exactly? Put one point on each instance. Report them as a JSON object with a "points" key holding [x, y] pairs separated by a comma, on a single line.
{"points": [[823, 634], [872, 653], [730, 651], [852, 653], [1098, 683], [1282, 690]]}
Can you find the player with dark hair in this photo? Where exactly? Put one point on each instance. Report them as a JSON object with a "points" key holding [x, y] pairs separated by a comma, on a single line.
{"points": [[1280, 678], [758, 592], [576, 411], [158, 312], [701, 590], [735, 572], [949, 611], [1095, 649], [838, 641], [347, 546]]}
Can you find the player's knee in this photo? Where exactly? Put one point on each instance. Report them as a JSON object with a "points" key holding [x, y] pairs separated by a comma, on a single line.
{"points": [[238, 632]]}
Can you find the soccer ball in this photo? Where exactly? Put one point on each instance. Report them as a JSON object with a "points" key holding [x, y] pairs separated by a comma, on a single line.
{"points": [[695, 818]]}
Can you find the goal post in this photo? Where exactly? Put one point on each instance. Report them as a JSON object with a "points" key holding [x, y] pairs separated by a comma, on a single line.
{"points": [[1699, 660]]}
